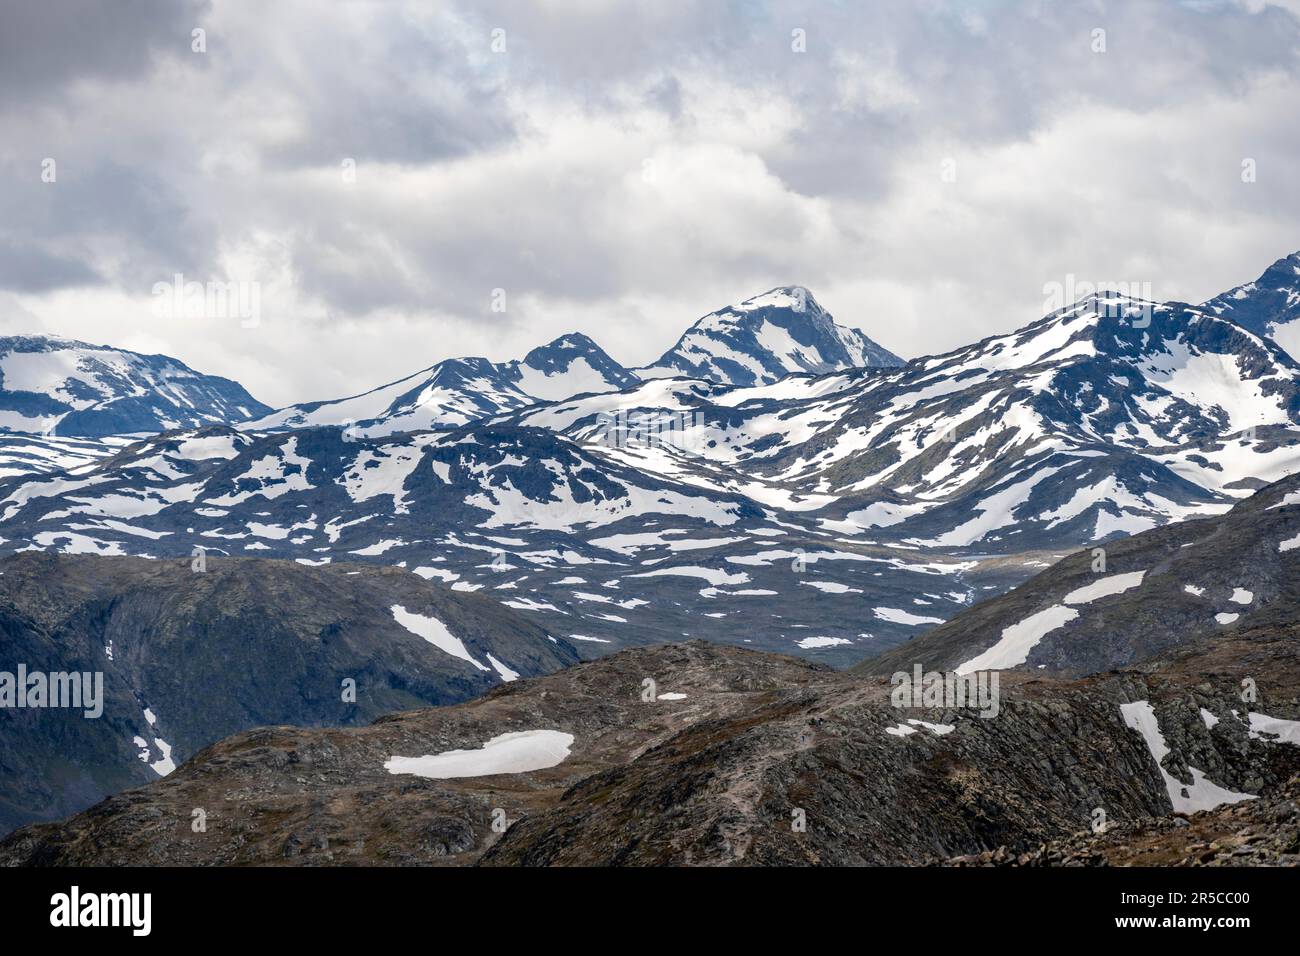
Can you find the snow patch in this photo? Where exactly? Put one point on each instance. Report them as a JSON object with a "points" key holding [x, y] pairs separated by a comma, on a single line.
{"points": [[519, 752]]}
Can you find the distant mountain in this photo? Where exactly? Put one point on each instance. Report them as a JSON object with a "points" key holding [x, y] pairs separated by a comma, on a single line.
{"points": [[189, 656], [62, 387], [458, 391], [757, 342], [1269, 306], [1105, 418], [59, 387], [766, 338], [446, 395], [571, 365]]}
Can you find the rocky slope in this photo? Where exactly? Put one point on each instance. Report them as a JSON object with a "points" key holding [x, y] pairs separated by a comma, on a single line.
{"points": [[1110, 607], [1263, 832], [1269, 306], [23, 454], [188, 657], [1259, 832], [731, 757]]}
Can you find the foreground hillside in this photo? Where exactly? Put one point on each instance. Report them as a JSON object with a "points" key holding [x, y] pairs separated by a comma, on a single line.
{"points": [[189, 657], [732, 757]]}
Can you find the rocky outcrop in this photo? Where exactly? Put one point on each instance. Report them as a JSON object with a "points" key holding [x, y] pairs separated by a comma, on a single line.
{"points": [[1263, 832]]}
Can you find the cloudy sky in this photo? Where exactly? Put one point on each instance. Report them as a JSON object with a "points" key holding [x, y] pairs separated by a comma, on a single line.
{"points": [[376, 170]]}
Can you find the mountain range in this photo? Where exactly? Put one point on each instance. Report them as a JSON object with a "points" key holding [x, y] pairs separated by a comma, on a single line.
{"points": [[1103, 490], [686, 507], [759, 341]]}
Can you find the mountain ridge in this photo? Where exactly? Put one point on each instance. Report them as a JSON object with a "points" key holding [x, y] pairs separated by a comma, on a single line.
{"points": [[195, 649], [573, 364], [1269, 306], [710, 766], [58, 386]]}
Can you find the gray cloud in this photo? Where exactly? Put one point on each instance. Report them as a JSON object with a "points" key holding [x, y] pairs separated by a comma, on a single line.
{"points": [[621, 168], [48, 45], [25, 268]]}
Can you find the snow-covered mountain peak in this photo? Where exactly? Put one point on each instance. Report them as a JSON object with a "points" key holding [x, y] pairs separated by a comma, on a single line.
{"points": [[794, 297], [458, 391], [765, 338], [1269, 306], [570, 365], [60, 386], [568, 342]]}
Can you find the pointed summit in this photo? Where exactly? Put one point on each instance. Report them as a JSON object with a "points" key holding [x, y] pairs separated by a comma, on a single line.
{"points": [[571, 365], [765, 338], [1268, 306]]}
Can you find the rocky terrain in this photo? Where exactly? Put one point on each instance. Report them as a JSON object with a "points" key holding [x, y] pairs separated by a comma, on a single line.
{"points": [[733, 757], [1113, 606], [189, 657], [1263, 832]]}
